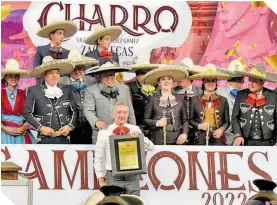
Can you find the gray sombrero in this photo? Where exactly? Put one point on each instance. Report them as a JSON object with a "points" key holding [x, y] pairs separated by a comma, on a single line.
{"points": [[69, 27], [108, 66], [65, 66], [99, 31], [259, 72], [234, 65], [176, 72]]}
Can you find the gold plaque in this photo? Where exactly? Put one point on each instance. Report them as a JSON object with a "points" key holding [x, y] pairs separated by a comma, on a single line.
{"points": [[128, 155]]}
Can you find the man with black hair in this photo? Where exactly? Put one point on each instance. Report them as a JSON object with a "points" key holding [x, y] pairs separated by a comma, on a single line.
{"points": [[254, 116], [102, 96], [56, 32]]}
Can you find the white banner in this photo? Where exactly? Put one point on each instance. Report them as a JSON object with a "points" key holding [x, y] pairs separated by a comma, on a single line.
{"points": [[63, 174], [145, 25]]}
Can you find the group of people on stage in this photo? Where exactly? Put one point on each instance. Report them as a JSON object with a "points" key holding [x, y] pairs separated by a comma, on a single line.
{"points": [[76, 97]]}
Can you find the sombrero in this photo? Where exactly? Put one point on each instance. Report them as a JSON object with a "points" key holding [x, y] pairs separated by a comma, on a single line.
{"points": [[112, 194], [258, 72], [12, 67], [69, 27], [99, 31], [78, 60], [65, 66], [108, 66], [143, 63], [176, 72], [234, 65], [188, 64], [209, 71]]}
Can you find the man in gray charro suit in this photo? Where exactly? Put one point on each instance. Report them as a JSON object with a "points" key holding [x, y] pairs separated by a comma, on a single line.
{"points": [[230, 90], [102, 96], [186, 88], [50, 107], [79, 82]]}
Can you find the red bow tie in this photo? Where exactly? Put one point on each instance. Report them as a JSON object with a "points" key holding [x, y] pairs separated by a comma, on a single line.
{"points": [[106, 54], [121, 130], [252, 100]]}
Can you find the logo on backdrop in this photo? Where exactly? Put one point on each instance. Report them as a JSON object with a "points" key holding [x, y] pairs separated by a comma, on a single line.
{"points": [[145, 27]]}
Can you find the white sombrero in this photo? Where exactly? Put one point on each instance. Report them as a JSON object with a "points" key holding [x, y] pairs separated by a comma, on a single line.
{"points": [[12, 67], [234, 65], [258, 72], [79, 60], [143, 63], [69, 27], [106, 67], [65, 66], [99, 31], [210, 71], [176, 72], [188, 64]]}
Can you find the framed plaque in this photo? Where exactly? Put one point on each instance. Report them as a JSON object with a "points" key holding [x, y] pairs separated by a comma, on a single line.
{"points": [[127, 155]]}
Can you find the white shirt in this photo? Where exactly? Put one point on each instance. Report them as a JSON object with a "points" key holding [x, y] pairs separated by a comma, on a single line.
{"points": [[102, 160]]}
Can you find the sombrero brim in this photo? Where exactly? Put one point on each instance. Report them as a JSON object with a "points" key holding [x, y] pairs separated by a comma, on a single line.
{"points": [[193, 70], [64, 66], [228, 72], [210, 74], [69, 28], [251, 75], [86, 61], [138, 67], [177, 73], [116, 69], [22, 73], [113, 31], [271, 77], [95, 198], [132, 199]]}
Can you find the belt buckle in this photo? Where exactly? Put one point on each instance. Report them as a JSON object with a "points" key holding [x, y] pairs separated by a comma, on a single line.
{"points": [[256, 137]]}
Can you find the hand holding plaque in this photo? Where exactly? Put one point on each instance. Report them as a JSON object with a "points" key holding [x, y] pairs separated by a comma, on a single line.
{"points": [[127, 154]]}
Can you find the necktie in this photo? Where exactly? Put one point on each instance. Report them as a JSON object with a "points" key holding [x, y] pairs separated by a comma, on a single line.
{"points": [[234, 92], [121, 130]]}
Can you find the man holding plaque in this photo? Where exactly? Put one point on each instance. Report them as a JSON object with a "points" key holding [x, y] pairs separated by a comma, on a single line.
{"points": [[103, 162]]}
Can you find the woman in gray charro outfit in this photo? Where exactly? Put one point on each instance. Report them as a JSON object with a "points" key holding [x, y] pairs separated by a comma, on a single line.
{"points": [[165, 112]]}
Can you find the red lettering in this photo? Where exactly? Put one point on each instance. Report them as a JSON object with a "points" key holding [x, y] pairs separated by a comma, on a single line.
{"points": [[153, 177], [6, 153], [38, 173], [174, 23], [97, 18], [43, 17], [145, 22], [225, 176], [253, 167], [59, 161], [193, 161]]}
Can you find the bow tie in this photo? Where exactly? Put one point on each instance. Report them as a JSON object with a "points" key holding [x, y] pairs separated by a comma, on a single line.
{"points": [[121, 130], [52, 92], [110, 92], [106, 54], [78, 85], [234, 92], [253, 100], [206, 99]]}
